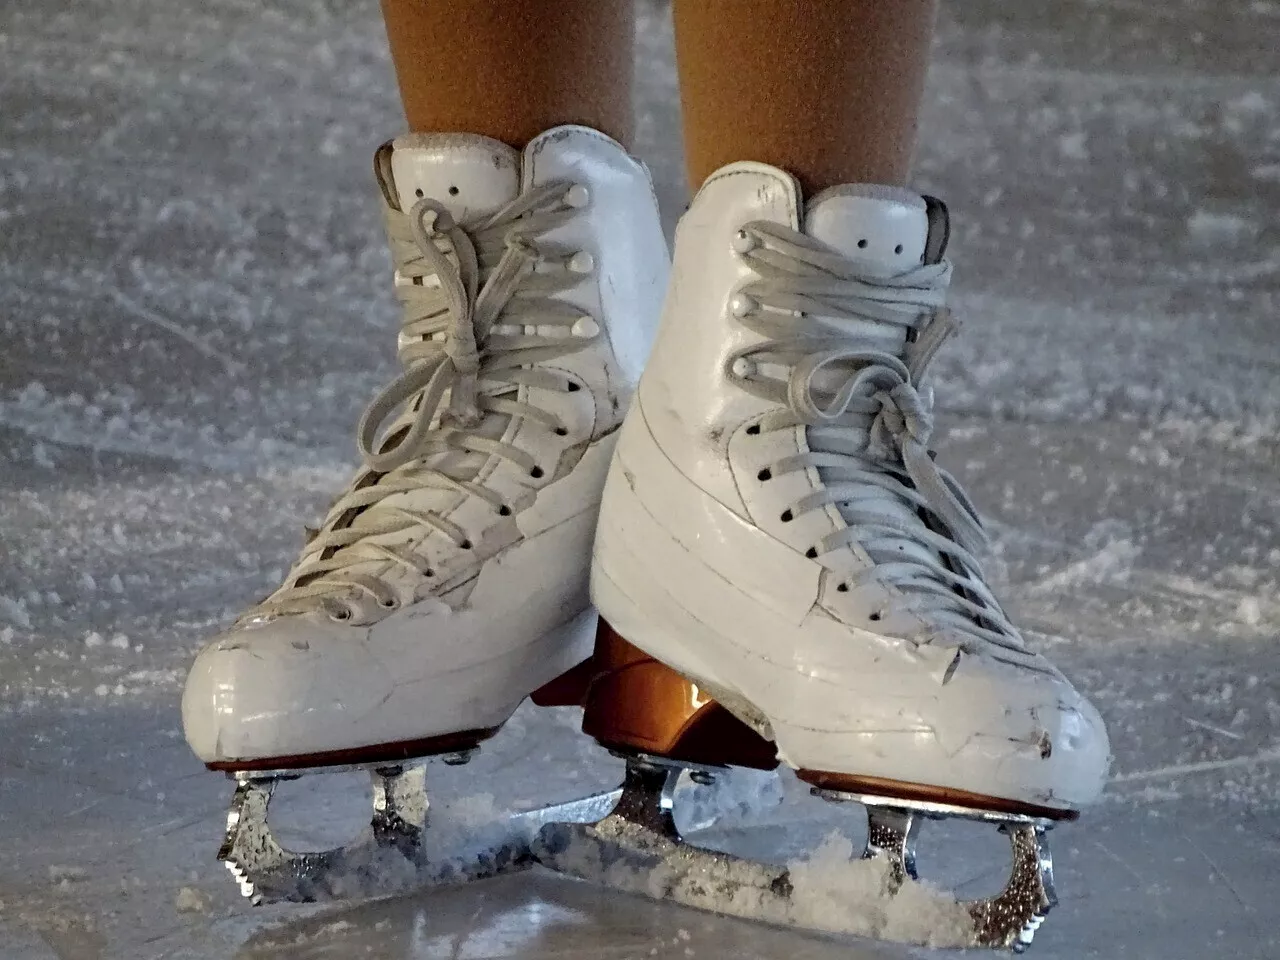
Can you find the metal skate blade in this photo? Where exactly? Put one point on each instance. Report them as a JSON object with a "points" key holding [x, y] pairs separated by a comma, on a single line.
{"points": [[388, 856], [388, 851], [637, 849], [581, 810], [1011, 918]]}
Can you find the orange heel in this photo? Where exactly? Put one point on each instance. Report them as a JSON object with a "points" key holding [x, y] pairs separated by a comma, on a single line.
{"points": [[635, 704], [569, 689]]}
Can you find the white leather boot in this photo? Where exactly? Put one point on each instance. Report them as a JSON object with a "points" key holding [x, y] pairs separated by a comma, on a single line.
{"points": [[450, 580], [775, 529]]}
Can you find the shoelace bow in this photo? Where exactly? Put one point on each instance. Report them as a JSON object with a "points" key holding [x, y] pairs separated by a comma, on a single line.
{"points": [[840, 378], [470, 298]]}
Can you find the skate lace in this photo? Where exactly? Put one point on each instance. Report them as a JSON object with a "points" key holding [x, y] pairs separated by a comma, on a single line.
{"points": [[869, 419], [475, 312]]}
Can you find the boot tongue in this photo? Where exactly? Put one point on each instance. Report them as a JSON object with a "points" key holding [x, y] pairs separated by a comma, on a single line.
{"points": [[885, 230], [470, 175]]}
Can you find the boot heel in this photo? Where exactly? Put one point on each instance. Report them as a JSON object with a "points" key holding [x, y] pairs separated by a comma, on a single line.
{"points": [[635, 704], [567, 690]]}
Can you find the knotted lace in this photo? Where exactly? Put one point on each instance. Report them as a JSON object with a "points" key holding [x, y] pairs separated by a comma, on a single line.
{"points": [[479, 315], [833, 359]]}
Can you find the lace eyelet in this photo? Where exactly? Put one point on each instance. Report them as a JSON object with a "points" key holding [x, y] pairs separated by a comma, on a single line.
{"points": [[536, 473], [574, 386], [787, 516], [765, 474], [753, 430], [340, 616], [812, 553], [465, 545], [743, 242], [561, 432], [876, 617], [842, 587], [504, 511], [389, 604]]}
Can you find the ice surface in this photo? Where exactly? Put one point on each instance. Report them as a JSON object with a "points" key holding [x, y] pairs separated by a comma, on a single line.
{"points": [[194, 306]]}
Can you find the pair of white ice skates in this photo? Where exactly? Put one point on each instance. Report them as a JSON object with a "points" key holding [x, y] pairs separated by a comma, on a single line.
{"points": [[782, 573]]}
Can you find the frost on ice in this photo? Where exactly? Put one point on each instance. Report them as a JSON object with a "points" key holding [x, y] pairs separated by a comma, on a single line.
{"points": [[828, 890], [190, 900], [826, 882]]}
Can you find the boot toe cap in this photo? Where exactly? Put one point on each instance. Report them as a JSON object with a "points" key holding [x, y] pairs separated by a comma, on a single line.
{"points": [[277, 688], [1036, 736]]}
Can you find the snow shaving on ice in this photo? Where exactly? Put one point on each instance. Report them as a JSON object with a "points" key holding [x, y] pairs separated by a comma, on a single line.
{"points": [[830, 881]]}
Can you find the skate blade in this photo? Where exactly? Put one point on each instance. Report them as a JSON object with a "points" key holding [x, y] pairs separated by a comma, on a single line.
{"points": [[389, 855], [637, 849]]}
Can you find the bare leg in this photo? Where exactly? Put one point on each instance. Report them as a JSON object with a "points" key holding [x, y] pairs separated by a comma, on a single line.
{"points": [[828, 90], [510, 69]]}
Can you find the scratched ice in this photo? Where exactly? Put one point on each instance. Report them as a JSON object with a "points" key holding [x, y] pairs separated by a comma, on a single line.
{"points": [[194, 307]]}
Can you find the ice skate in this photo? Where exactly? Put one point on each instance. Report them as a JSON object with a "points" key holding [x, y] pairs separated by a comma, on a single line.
{"points": [[450, 581], [784, 573]]}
